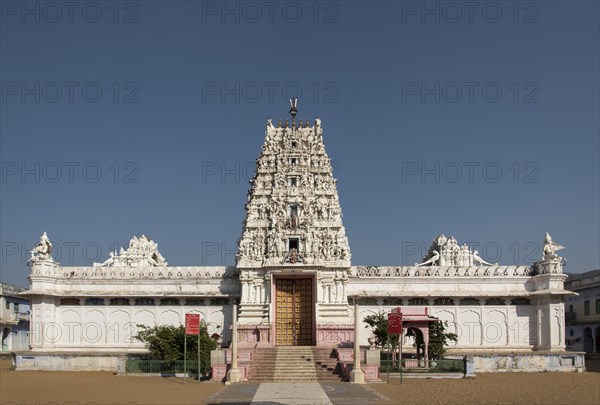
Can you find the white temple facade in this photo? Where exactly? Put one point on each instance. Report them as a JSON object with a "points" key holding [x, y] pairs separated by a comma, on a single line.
{"points": [[293, 278]]}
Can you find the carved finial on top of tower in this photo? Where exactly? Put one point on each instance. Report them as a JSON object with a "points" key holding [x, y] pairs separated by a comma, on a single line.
{"points": [[294, 107]]}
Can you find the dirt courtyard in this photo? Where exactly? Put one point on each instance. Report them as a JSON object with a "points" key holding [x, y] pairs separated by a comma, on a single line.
{"points": [[43, 387]]}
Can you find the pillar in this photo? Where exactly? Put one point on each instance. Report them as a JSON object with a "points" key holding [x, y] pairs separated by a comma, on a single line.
{"points": [[234, 375], [425, 331], [357, 376]]}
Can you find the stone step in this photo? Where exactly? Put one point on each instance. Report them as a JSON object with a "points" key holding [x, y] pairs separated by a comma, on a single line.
{"points": [[291, 356], [294, 363]]}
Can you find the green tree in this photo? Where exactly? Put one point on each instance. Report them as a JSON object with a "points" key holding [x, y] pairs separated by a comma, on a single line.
{"points": [[167, 343], [379, 324]]}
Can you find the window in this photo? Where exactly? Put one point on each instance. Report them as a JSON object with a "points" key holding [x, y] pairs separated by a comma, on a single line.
{"points": [[392, 301], [169, 301], [293, 181], [586, 308], [293, 210], [94, 301], [119, 301], [219, 301], [144, 301], [597, 306], [293, 243], [294, 161], [443, 301], [367, 301], [418, 301], [294, 144], [571, 332], [520, 301], [69, 301], [194, 301], [7, 305], [469, 301], [571, 308], [16, 307], [494, 301]]}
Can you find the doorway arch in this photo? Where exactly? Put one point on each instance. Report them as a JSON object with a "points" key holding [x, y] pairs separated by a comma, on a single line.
{"points": [[588, 340]]}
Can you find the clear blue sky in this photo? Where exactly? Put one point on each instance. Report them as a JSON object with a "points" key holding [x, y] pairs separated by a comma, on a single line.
{"points": [[146, 117]]}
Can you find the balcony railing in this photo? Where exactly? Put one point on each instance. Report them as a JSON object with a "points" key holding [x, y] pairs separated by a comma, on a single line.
{"points": [[570, 316]]}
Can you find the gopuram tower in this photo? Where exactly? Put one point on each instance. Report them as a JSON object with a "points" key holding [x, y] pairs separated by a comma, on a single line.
{"points": [[293, 257]]}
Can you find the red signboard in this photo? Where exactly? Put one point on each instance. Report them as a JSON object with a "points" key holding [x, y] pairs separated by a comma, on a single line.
{"points": [[192, 324], [394, 324]]}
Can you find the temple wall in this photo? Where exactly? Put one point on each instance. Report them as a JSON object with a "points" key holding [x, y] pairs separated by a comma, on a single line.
{"points": [[106, 327], [98, 308], [507, 327], [490, 308]]}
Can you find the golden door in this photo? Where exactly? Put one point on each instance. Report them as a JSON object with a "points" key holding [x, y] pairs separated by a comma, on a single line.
{"points": [[294, 312]]}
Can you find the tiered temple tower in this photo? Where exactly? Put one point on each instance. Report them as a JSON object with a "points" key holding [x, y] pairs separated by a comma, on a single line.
{"points": [[293, 256]]}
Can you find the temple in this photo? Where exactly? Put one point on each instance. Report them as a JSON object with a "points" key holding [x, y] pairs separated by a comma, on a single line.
{"points": [[293, 279]]}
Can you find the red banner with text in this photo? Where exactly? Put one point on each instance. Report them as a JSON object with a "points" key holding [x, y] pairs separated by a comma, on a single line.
{"points": [[394, 324], [192, 324]]}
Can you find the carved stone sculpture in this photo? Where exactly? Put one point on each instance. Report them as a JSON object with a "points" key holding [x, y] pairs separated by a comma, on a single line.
{"points": [[433, 261], [141, 252], [550, 249], [479, 260], [42, 250]]}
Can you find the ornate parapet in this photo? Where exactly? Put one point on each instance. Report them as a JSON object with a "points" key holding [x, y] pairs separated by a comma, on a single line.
{"points": [[50, 279], [441, 271], [52, 269]]}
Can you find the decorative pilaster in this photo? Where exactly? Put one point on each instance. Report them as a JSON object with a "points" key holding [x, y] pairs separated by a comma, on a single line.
{"points": [[550, 293]]}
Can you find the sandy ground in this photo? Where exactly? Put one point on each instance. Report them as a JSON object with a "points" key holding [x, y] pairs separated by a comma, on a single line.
{"points": [[44, 387], [39, 387], [508, 388]]}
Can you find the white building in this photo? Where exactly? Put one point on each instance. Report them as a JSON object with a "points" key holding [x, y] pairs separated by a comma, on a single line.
{"points": [[583, 312], [14, 318], [293, 278]]}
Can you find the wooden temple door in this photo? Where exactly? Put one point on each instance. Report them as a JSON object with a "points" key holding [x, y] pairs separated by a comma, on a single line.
{"points": [[294, 312]]}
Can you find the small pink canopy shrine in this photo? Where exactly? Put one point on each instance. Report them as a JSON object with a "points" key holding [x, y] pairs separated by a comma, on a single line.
{"points": [[417, 318]]}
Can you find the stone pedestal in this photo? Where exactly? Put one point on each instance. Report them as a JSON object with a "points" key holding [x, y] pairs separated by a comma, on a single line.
{"points": [[373, 357], [357, 376], [217, 357]]}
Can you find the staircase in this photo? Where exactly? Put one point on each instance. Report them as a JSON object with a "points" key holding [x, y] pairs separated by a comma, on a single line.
{"points": [[294, 363]]}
